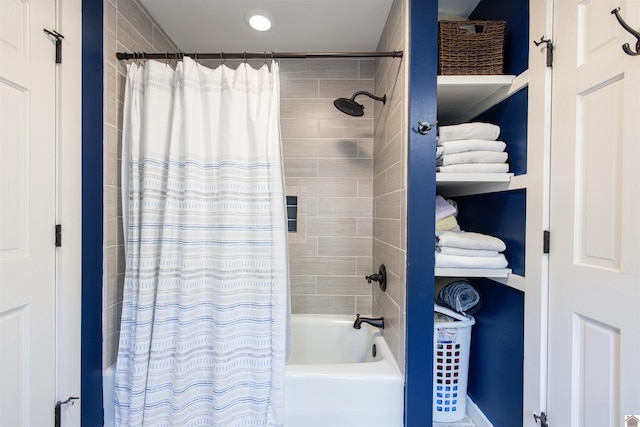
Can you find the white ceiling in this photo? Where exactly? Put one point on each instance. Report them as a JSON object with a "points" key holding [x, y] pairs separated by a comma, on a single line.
{"points": [[300, 25]]}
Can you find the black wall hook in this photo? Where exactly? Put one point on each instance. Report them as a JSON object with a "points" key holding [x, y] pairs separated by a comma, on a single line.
{"points": [[634, 33]]}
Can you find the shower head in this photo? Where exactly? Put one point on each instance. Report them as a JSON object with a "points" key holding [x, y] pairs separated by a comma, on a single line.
{"points": [[351, 107]]}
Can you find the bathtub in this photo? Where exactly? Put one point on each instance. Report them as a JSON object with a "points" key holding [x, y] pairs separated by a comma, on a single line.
{"points": [[333, 378]]}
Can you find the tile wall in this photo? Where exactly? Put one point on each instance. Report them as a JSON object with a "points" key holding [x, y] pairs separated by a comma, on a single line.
{"points": [[128, 28], [389, 179]]}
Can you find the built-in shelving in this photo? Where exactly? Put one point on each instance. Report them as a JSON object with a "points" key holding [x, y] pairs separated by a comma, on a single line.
{"points": [[460, 96], [473, 272]]}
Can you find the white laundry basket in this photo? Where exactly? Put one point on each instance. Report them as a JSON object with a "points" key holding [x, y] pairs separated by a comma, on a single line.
{"points": [[451, 347]]}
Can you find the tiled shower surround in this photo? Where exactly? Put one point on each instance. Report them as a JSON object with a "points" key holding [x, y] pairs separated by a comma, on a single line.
{"points": [[350, 212]]}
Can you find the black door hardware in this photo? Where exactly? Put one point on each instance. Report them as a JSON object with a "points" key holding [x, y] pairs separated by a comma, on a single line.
{"points": [[58, 410], [542, 418], [58, 40], [634, 33], [549, 49]]}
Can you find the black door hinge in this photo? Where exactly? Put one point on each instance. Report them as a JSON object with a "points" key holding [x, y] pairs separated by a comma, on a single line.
{"points": [[58, 41], [58, 235], [546, 238], [549, 49]]}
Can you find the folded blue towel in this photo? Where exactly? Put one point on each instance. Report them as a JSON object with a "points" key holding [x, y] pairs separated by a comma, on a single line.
{"points": [[461, 296]]}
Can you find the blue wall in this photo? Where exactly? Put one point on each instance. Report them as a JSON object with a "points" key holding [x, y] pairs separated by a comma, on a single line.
{"points": [[516, 39], [512, 117], [421, 214], [496, 366], [92, 217]]}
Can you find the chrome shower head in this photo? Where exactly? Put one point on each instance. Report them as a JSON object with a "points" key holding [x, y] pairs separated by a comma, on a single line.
{"points": [[351, 107]]}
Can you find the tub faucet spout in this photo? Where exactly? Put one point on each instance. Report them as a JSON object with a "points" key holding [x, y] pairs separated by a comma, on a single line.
{"points": [[378, 322]]}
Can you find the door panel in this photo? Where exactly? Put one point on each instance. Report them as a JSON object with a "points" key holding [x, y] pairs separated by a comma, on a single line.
{"points": [[594, 263], [27, 214]]}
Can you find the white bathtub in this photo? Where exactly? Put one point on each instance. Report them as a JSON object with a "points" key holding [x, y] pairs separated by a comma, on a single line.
{"points": [[332, 379]]}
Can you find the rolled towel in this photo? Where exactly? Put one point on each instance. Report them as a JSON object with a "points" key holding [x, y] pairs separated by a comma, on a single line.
{"points": [[444, 208], [447, 223], [439, 152], [475, 168], [473, 130], [455, 261], [460, 146], [461, 296], [473, 157], [469, 240], [465, 252]]}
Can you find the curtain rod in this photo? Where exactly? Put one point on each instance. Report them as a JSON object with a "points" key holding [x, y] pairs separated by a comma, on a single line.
{"points": [[259, 55]]}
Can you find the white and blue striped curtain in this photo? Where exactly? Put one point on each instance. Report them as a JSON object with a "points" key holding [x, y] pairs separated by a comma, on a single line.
{"points": [[204, 328]]}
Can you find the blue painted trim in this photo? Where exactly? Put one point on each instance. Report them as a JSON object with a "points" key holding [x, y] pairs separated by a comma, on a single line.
{"points": [[516, 34], [496, 365], [421, 214], [503, 215], [92, 212]]}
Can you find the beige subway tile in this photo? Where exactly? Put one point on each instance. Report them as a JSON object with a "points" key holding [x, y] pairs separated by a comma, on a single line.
{"points": [[343, 285], [367, 68], [395, 178], [364, 227], [365, 266], [333, 265], [129, 39], [320, 148], [388, 205], [396, 290], [325, 69], [303, 285], [345, 89], [298, 88], [393, 232], [309, 109], [389, 155], [162, 42], [300, 167], [299, 128], [304, 249], [365, 148], [379, 183], [359, 168], [346, 128], [392, 257], [136, 17], [312, 206], [323, 226], [394, 123], [363, 305], [365, 188], [322, 304], [345, 207], [344, 246], [326, 187]]}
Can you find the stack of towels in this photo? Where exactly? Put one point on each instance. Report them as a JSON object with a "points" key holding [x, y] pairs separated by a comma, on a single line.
{"points": [[446, 211], [471, 148], [460, 249]]}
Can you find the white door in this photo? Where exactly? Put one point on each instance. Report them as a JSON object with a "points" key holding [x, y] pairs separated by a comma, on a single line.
{"points": [[27, 214], [594, 294]]}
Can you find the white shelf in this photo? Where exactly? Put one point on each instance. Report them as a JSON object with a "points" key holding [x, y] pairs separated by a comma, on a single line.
{"points": [[473, 272], [460, 96], [457, 184]]}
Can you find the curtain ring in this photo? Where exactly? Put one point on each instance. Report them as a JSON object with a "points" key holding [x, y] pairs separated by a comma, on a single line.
{"points": [[245, 57], [265, 57], [221, 58], [166, 58]]}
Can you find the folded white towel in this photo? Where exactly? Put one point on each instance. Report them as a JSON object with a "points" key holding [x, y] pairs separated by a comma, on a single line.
{"points": [[469, 240], [454, 261], [473, 157], [446, 250], [474, 130], [460, 146], [475, 168], [439, 152]]}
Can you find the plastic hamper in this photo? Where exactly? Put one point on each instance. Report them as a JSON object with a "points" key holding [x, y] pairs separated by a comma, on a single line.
{"points": [[451, 347]]}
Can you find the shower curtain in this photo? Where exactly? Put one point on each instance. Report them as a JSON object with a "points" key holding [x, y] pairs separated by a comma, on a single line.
{"points": [[204, 328]]}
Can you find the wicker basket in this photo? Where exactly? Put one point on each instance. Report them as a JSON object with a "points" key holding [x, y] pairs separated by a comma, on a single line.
{"points": [[462, 53]]}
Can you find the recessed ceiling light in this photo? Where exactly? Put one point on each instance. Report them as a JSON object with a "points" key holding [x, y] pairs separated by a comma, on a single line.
{"points": [[259, 20]]}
